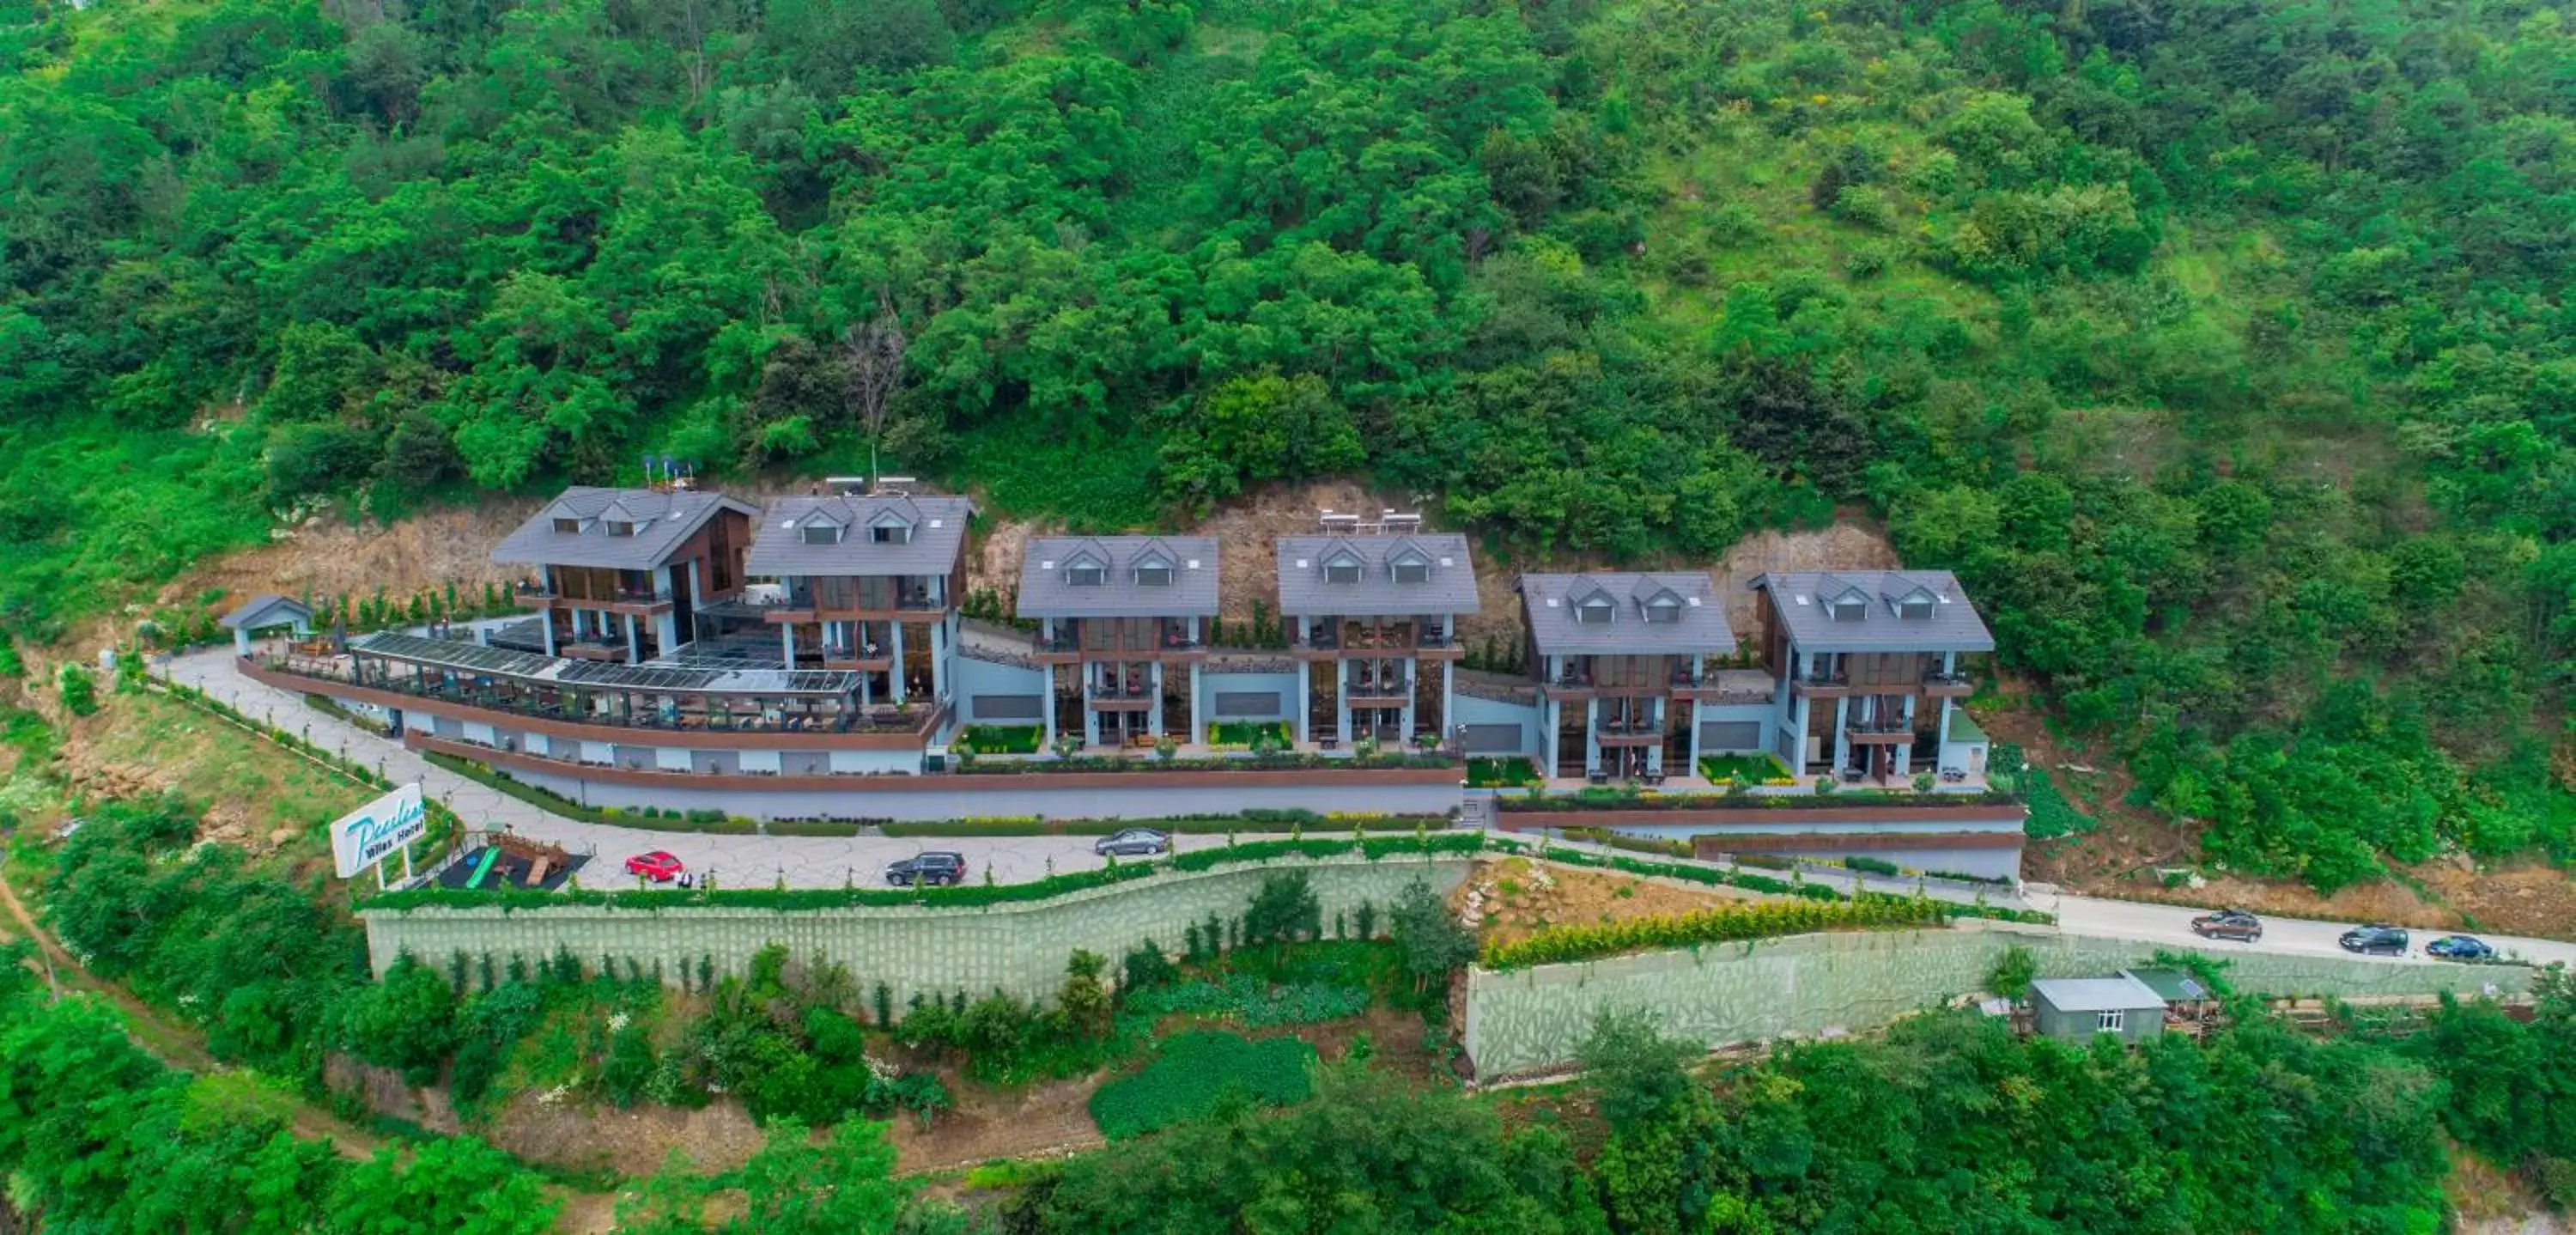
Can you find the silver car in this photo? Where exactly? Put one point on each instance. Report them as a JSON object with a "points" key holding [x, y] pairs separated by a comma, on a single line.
{"points": [[1134, 842]]}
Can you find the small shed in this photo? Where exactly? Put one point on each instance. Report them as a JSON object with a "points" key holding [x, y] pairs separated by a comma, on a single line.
{"points": [[266, 611], [2076, 1009]]}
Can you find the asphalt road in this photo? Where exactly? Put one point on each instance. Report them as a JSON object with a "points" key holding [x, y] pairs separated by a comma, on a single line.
{"points": [[2172, 924]]}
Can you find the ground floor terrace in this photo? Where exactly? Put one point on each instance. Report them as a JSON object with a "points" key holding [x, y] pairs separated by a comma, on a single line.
{"points": [[698, 691]]}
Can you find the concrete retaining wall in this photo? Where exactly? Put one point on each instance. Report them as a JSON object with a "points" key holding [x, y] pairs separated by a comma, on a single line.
{"points": [[1018, 947], [1531, 1019]]}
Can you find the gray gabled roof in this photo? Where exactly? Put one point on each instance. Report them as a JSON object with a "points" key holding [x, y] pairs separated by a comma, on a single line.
{"points": [[268, 609], [1550, 601], [778, 547], [1191, 593], [663, 520], [1303, 591], [2124, 993], [1801, 598]]}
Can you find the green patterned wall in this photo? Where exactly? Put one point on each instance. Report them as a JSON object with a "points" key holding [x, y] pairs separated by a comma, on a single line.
{"points": [[1527, 1020], [1017, 947]]}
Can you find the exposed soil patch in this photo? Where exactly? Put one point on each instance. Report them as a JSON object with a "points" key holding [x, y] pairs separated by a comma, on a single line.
{"points": [[634, 1142], [1516, 897], [988, 1123]]}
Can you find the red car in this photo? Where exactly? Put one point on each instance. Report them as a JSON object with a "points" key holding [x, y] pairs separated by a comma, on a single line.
{"points": [[657, 866]]}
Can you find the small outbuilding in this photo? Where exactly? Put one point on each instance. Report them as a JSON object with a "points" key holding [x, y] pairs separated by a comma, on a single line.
{"points": [[264, 612], [2077, 1009]]}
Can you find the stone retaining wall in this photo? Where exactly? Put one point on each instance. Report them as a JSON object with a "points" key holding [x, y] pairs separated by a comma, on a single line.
{"points": [[1018, 947], [1527, 1020]]}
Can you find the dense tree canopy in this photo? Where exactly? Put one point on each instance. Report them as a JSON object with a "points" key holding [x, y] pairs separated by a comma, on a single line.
{"points": [[2222, 348]]}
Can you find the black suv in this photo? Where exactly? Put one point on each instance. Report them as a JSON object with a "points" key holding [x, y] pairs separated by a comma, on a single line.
{"points": [[2375, 940], [927, 869], [2228, 924]]}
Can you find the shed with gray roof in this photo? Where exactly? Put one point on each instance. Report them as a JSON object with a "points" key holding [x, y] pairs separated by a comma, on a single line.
{"points": [[2076, 1009], [613, 529], [1876, 611], [889, 534], [1661, 613], [1395, 575], [1118, 576]]}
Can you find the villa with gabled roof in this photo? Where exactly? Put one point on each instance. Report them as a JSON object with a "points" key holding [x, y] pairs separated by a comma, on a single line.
{"points": [[1122, 621], [1373, 625], [621, 573]]}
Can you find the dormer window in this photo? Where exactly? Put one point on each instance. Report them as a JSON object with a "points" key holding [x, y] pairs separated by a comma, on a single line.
{"points": [[1848, 605], [1154, 574], [820, 533], [1596, 610], [566, 525], [620, 527], [1085, 574], [1412, 570], [890, 534], [1664, 608], [1914, 608]]}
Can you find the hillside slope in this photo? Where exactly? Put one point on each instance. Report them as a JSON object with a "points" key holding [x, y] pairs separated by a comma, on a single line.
{"points": [[2222, 348]]}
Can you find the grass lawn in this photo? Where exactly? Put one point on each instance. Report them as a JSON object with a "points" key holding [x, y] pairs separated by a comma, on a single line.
{"points": [[1002, 739], [1758, 769], [1504, 773], [234, 773], [1241, 732]]}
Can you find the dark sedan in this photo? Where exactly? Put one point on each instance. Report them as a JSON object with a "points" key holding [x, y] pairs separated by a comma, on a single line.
{"points": [[928, 870], [2460, 948], [2375, 940], [1134, 842]]}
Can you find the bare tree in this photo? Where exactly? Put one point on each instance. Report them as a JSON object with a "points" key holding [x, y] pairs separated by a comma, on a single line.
{"points": [[872, 355]]}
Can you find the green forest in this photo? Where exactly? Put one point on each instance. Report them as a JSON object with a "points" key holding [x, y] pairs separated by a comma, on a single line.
{"points": [[2222, 348]]}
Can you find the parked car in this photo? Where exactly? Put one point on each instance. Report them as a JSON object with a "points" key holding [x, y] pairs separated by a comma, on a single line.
{"points": [[1133, 842], [2228, 924], [928, 869], [2375, 939], [657, 866], [2460, 948]]}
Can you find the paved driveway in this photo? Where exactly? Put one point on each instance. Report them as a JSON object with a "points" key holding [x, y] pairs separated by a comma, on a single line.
{"points": [[736, 861]]}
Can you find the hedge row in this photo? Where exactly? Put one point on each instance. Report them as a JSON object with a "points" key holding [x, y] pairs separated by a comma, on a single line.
{"points": [[1200, 825], [969, 895]]}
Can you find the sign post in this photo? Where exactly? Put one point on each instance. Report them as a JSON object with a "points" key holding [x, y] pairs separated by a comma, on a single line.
{"points": [[370, 834]]}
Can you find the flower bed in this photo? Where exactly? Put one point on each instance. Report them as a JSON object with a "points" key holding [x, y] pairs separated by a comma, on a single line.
{"points": [[1587, 942]]}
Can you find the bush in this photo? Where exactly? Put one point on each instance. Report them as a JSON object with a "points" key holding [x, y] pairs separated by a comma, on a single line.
{"points": [[1871, 866], [79, 689], [2014, 973], [1195, 1073]]}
